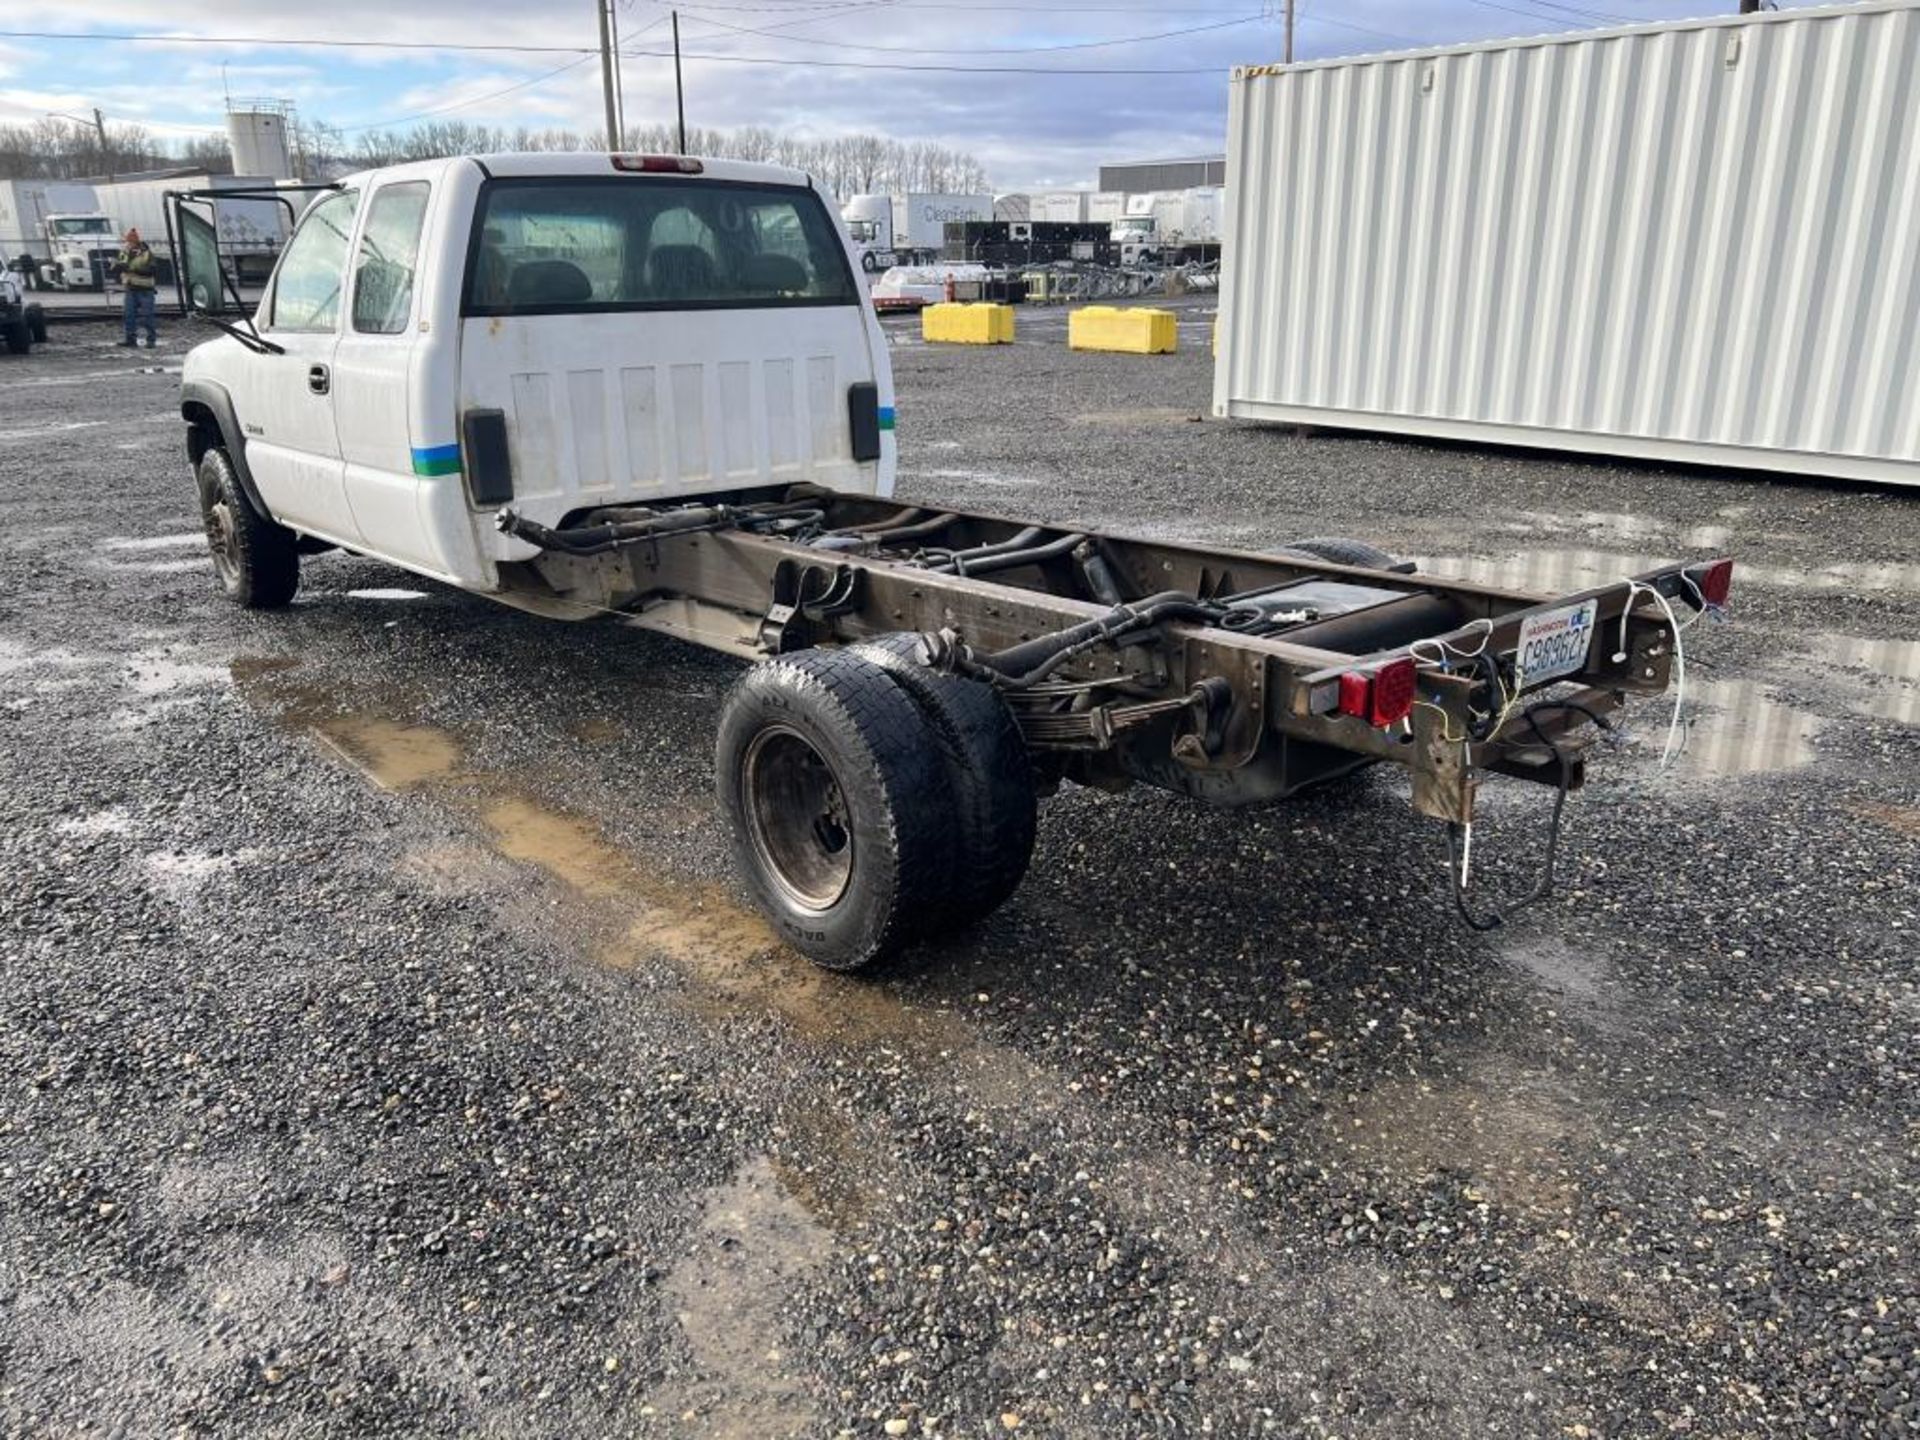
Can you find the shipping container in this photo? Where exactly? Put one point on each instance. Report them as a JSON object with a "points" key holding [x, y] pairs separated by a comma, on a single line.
{"points": [[1696, 241]]}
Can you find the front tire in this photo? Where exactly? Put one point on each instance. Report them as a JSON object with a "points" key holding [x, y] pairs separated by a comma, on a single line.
{"points": [[258, 562], [838, 806], [37, 324], [19, 338]]}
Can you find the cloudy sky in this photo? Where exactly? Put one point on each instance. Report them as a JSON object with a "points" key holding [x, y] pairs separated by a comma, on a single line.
{"points": [[1035, 107]]}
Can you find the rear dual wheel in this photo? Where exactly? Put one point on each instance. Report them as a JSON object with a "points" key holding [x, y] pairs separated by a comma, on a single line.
{"points": [[867, 807]]}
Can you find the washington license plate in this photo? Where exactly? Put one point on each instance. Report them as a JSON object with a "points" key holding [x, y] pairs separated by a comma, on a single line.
{"points": [[1554, 644]]}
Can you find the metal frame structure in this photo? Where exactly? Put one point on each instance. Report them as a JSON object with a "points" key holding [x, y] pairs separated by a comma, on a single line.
{"points": [[1125, 659]]}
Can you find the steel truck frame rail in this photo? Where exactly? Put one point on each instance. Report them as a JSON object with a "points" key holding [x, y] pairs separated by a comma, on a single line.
{"points": [[1232, 677]]}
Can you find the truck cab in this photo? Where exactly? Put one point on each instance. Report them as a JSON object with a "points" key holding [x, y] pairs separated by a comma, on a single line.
{"points": [[79, 248], [869, 221], [554, 333]]}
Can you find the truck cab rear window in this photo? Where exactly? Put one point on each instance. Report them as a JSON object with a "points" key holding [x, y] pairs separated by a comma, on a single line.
{"points": [[579, 246]]}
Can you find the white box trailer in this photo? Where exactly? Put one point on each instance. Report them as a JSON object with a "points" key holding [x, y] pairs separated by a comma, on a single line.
{"points": [[1696, 241], [1061, 206], [25, 206], [247, 224], [920, 221], [1107, 205]]}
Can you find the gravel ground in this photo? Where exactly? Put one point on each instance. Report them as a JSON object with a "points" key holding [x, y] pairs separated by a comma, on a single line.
{"points": [[387, 1050]]}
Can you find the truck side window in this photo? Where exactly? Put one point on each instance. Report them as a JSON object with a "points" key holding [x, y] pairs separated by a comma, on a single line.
{"points": [[306, 288], [389, 252]]}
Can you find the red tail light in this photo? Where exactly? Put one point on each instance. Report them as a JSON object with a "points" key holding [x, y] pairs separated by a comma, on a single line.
{"points": [[657, 164], [1380, 697], [1716, 581]]}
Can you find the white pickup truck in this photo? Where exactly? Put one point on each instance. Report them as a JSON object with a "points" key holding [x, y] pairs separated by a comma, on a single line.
{"points": [[653, 388]]}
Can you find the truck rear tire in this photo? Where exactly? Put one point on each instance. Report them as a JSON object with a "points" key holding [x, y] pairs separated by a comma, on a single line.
{"points": [[19, 338], [258, 562], [866, 262], [988, 772], [838, 805]]}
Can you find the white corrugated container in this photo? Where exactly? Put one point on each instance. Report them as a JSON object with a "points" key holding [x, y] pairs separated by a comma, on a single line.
{"points": [[1695, 241]]}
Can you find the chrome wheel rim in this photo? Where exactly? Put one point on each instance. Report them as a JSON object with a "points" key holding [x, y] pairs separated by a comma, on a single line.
{"points": [[797, 819], [223, 538]]}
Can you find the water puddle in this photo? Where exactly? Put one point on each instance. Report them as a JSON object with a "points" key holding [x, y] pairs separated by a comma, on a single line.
{"points": [[1514, 1135], [754, 1244], [184, 540], [1617, 527], [1744, 731], [391, 755], [1554, 571], [1884, 675]]}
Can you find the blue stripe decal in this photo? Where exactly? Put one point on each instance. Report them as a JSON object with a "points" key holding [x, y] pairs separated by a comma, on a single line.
{"points": [[435, 454]]}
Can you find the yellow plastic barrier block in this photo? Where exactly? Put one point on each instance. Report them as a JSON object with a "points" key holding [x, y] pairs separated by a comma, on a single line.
{"points": [[1132, 330], [950, 324]]}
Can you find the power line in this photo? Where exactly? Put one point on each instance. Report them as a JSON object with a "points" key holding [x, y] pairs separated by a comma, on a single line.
{"points": [[1568, 11], [463, 104], [97, 37], [996, 50], [945, 69], [919, 5]]}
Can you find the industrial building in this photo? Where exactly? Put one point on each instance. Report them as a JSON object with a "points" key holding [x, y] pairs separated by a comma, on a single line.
{"points": [[1138, 177]]}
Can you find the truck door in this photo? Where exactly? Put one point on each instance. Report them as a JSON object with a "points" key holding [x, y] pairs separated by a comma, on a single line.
{"points": [[287, 409], [373, 381]]}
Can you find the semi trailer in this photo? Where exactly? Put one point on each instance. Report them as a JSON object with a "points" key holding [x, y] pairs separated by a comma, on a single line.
{"points": [[891, 230], [652, 391]]}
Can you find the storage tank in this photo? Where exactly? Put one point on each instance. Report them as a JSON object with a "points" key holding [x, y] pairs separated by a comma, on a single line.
{"points": [[1690, 241], [259, 142]]}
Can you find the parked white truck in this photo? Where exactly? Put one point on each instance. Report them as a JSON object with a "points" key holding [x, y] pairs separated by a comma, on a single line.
{"points": [[652, 389], [80, 248], [1169, 227], [889, 230], [25, 206]]}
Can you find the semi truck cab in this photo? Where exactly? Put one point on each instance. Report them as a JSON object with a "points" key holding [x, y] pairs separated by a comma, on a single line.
{"points": [[79, 247]]}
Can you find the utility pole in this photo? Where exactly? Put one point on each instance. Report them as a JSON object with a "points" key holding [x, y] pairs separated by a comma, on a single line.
{"points": [[1290, 30], [679, 93], [601, 9], [619, 80]]}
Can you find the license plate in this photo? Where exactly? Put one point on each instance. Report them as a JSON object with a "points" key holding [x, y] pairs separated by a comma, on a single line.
{"points": [[1554, 644]]}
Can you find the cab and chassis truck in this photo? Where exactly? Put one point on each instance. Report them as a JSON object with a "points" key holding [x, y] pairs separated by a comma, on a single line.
{"points": [[651, 390]]}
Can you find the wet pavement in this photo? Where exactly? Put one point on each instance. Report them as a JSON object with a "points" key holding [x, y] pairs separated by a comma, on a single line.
{"points": [[395, 1054]]}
